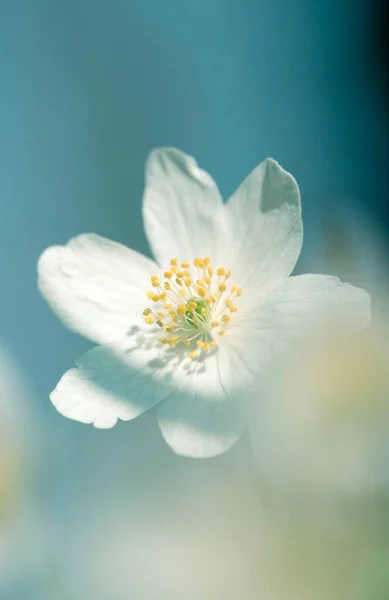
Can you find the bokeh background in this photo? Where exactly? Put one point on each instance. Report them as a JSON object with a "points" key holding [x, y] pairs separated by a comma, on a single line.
{"points": [[88, 88]]}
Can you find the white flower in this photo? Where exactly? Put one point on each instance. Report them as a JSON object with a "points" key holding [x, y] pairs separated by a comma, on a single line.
{"points": [[218, 305]]}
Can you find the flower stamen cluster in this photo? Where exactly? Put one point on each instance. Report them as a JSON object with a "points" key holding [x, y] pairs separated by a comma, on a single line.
{"points": [[192, 309]]}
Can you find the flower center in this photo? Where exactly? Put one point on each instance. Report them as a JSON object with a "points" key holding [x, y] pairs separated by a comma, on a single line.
{"points": [[193, 305]]}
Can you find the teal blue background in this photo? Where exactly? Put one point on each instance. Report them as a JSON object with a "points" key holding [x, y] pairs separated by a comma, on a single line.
{"points": [[89, 87]]}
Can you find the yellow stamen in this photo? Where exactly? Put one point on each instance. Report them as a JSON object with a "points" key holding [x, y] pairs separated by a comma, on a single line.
{"points": [[181, 310], [193, 319]]}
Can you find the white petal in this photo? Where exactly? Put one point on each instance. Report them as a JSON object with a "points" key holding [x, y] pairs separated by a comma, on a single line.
{"points": [[118, 381], [310, 303], [265, 226], [182, 208], [95, 286], [205, 415]]}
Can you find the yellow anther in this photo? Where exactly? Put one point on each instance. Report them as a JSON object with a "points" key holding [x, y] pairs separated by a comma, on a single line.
{"points": [[192, 305], [222, 287], [232, 307], [168, 274], [174, 261], [160, 314], [193, 354], [181, 274], [174, 269], [233, 289], [215, 323], [188, 281], [239, 292], [210, 271], [201, 292], [213, 299], [159, 323], [150, 295], [200, 343], [201, 263], [156, 298], [208, 300], [181, 310], [200, 282], [163, 340], [149, 320], [182, 292], [207, 260], [221, 271], [226, 319], [203, 311], [228, 273], [213, 343], [166, 285], [155, 283], [185, 265], [186, 342], [196, 262], [168, 328], [162, 295], [207, 280], [178, 281], [228, 301], [147, 311], [207, 346], [222, 331], [167, 306]]}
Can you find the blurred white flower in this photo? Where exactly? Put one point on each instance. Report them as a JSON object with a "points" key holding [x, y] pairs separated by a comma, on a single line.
{"points": [[23, 566], [323, 428], [181, 355]]}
